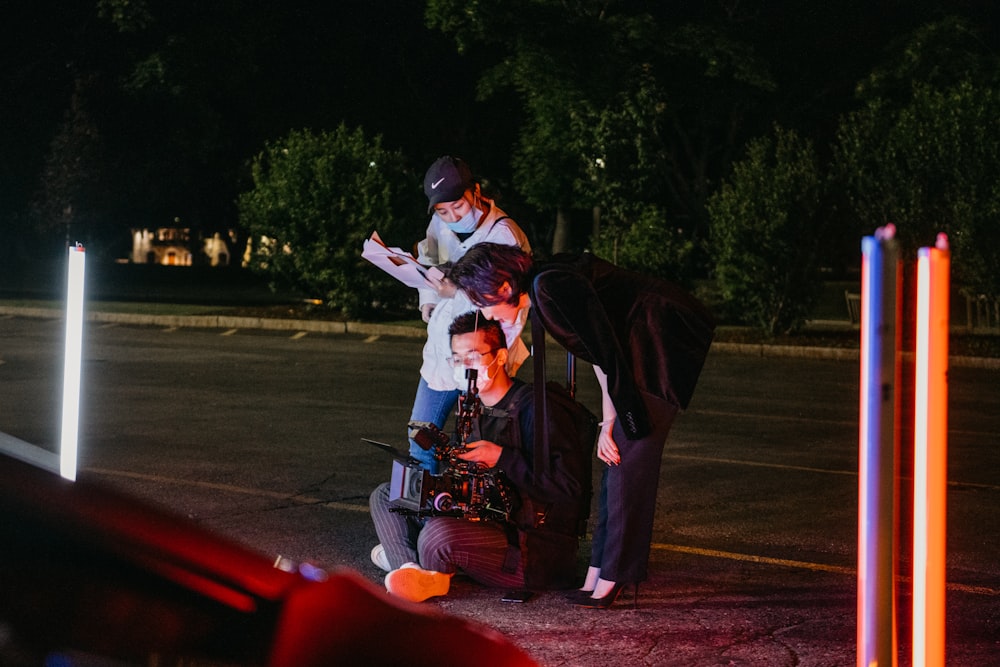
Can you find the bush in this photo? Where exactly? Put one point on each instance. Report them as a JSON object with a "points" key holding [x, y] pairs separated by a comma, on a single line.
{"points": [[316, 198], [765, 234]]}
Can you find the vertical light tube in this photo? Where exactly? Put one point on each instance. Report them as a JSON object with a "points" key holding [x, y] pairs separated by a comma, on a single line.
{"points": [[878, 446], [930, 455], [72, 363]]}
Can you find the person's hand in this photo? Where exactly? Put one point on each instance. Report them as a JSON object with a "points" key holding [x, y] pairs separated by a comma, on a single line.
{"points": [[440, 284], [426, 310], [607, 448], [482, 451]]}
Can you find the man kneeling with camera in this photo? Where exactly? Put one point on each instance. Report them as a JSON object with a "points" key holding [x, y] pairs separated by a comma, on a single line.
{"points": [[527, 535]]}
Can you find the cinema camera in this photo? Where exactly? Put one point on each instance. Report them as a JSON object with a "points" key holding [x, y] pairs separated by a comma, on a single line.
{"points": [[464, 489]]}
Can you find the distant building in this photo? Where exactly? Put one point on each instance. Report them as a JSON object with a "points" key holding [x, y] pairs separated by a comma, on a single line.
{"points": [[178, 246]]}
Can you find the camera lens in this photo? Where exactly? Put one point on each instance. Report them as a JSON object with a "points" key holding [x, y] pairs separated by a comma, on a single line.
{"points": [[443, 502], [415, 484]]}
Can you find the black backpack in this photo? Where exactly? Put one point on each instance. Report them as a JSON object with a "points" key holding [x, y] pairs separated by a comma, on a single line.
{"points": [[558, 401]]}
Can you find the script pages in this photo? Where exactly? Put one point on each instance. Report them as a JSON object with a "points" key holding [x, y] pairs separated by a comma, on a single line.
{"points": [[398, 263]]}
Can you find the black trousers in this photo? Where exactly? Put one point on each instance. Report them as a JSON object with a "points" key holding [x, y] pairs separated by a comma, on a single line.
{"points": [[627, 501]]}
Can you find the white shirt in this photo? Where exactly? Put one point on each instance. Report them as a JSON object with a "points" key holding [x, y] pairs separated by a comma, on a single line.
{"points": [[441, 246]]}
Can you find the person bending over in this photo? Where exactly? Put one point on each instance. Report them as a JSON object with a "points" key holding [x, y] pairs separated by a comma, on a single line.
{"points": [[647, 340]]}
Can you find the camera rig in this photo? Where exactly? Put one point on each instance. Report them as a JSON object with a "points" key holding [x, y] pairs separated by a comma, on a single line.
{"points": [[464, 489]]}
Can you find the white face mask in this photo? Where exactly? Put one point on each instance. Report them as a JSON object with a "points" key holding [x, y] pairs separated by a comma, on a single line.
{"points": [[458, 372], [483, 376]]}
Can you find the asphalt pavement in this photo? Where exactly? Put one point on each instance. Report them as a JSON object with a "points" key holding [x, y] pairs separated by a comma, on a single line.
{"points": [[253, 428]]}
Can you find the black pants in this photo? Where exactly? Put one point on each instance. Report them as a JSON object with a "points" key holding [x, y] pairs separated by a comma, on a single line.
{"points": [[627, 501]]}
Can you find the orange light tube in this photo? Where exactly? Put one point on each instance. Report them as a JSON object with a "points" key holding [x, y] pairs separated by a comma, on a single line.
{"points": [[930, 456]]}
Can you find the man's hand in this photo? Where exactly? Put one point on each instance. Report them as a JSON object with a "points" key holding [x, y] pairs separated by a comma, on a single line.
{"points": [[482, 451]]}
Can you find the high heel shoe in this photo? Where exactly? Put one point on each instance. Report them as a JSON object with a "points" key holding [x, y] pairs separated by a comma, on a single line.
{"points": [[585, 600], [578, 595]]}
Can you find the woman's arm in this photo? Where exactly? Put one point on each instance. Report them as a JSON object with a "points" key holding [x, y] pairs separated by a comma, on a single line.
{"points": [[607, 448]]}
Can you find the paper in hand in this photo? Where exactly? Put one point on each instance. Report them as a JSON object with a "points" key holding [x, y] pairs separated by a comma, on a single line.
{"points": [[398, 263]]}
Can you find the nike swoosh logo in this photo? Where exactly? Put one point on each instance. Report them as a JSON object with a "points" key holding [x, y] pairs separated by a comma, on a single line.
{"points": [[435, 184]]}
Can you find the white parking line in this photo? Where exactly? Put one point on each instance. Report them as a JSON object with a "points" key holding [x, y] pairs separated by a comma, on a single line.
{"points": [[230, 488], [825, 471]]}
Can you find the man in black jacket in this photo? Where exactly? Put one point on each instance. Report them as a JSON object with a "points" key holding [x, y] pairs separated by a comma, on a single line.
{"points": [[537, 546]]}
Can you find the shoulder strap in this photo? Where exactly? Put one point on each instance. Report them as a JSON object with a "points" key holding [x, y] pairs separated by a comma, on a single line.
{"points": [[541, 441], [494, 223]]}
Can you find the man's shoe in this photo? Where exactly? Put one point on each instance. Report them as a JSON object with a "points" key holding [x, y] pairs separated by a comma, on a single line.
{"points": [[412, 582], [380, 559]]}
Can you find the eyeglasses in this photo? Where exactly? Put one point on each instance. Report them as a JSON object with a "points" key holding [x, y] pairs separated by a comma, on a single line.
{"points": [[469, 359]]}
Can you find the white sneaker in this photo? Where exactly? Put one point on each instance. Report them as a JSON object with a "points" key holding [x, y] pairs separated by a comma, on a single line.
{"points": [[412, 582], [380, 559]]}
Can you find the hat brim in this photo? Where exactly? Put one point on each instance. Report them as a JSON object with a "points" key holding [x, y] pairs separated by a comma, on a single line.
{"points": [[441, 197]]}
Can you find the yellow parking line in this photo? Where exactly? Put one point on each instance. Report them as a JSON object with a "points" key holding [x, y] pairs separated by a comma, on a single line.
{"points": [[750, 558], [802, 565]]}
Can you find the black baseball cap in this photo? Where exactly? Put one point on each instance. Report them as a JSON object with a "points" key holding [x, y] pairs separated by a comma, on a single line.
{"points": [[446, 180]]}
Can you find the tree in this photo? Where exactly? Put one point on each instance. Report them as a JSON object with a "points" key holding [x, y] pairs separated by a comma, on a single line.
{"points": [[622, 182], [600, 80], [767, 233], [316, 198], [73, 195], [923, 153]]}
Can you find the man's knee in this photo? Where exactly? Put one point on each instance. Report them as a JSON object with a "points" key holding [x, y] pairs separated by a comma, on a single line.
{"points": [[379, 496], [434, 546]]}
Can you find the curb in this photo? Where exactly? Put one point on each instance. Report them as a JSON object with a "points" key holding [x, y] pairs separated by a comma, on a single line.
{"points": [[225, 322], [371, 329]]}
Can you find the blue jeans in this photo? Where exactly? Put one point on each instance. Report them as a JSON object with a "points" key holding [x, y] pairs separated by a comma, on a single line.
{"points": [[433, 406]]}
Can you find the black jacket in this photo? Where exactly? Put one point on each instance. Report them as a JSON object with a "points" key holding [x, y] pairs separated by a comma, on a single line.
{"points": [[645, 333]]}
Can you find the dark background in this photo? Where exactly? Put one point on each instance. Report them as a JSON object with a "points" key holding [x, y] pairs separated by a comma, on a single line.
{"points": [[183, 100]]}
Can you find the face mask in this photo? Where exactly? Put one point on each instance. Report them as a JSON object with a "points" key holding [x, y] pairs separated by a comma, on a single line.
{"points": [[458, 372], [467, 223], [483, 376]]}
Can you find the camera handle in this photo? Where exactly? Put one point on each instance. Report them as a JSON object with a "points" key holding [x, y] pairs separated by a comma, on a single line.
{"points": [[470, 406]]}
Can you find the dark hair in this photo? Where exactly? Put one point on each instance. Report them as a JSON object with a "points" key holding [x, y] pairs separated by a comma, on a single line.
{"points": [[467, 323], [483, 270]]}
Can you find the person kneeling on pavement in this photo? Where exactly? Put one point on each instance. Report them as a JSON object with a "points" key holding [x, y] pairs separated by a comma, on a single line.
{"points": [[536, 548]]}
